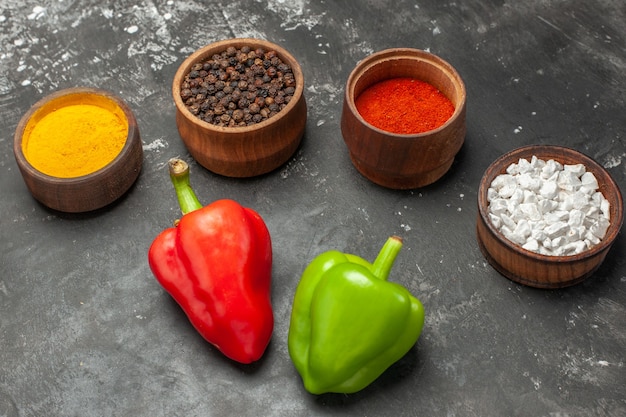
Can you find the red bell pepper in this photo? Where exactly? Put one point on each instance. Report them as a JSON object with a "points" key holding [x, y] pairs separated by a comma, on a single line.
{"points": [[216, 263]]}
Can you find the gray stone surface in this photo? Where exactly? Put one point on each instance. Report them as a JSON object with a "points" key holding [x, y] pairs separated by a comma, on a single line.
{"points": [[85, 330]]}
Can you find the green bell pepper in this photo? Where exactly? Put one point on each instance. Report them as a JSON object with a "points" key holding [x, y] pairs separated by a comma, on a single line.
{"points": [[348, 324]]}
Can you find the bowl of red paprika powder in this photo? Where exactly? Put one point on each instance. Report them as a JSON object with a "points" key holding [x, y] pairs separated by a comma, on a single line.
{"points": [[78, 149], [240, 106], [403, 117]]}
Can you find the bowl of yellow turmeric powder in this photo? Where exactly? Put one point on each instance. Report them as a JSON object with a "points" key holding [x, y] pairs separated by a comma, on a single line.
{"points": [[78, 149]]}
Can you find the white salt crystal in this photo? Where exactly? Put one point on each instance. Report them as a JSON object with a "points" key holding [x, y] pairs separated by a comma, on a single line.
{"points": [[529, 211], [547, 243], [556, 216], [547, 171], [574, 248], [593, 212], [531, 245], [505, 185], [568, 181], [516, 238], [550, 168], [508, 233], [528, 181], [589, 181], [522, 230], [507, 221], [549, 190], [557, 229], [577, 170], [574, 234], [530, 197], [542, 250], [597, 198], [538, 233], [498, 206], [558, 242], [599, 228], [536, 163], [507, 190], [580, 200], [524, 166], [500, 180], [512, 169], [548, 207], [605, 208], [576, 201], [495, 221], [517, 197], [587, 190], [591, 239], [576, 218]]}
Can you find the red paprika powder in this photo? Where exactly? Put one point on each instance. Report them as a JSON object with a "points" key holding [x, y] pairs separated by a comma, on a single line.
{"points": [[404, 105]]}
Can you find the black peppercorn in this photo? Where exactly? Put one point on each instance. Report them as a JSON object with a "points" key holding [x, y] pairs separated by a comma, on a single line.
{"points": [[185, 94], [243, 103], [238, 115], [238, 87], [254, 108]]}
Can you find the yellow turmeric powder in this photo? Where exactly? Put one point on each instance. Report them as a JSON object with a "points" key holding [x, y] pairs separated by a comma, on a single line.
{"points": [[75, 140]]}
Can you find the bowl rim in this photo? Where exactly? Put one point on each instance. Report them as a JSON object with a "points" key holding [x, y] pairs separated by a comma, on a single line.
{"points": [[220, 46], [43, 177], [614, 226], [415, 54]]}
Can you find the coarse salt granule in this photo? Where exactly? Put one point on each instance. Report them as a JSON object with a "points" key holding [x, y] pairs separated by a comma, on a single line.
{"points": [[548, 207]]}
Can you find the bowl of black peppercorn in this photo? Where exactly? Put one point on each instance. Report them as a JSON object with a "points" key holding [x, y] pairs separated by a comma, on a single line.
{"points": [[240, 106]]}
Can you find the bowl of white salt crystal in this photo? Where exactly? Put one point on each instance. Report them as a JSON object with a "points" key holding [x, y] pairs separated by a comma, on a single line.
{"points": [[547, 215]]}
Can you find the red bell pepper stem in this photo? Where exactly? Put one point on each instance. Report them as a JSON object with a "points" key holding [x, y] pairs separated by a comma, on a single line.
{"points": [[386, 257], [179, 174]]}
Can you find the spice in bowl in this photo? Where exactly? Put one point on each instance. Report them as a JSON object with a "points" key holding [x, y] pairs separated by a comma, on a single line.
{"points": [[76, 139], [404, 105], [549, 208], [78, 149], [238, 87]]}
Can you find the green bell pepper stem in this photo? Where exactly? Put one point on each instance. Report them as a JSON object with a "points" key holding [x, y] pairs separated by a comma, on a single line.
{"points": [[386, 257], [179, 174]]}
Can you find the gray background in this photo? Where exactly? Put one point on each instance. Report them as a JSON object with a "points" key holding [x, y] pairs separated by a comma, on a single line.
{"points": [[85, 330]]}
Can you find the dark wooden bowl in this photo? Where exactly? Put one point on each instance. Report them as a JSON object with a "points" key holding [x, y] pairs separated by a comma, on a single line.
{"points": [[88, 192], [242, 151], [534, 269], [401, 161]]}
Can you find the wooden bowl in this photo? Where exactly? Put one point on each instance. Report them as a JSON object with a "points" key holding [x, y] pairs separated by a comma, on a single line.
{"points": [[92, 190], [403, 161], [242, 151], [531, 268]]}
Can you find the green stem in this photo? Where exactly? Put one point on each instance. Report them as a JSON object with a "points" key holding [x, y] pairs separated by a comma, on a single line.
{"points": [[179, 174], [386, 257]]}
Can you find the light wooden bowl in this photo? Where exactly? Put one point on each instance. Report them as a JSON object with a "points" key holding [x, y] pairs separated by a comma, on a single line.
{"points": [[534, 269], [242, 151], [402, 161], [91, 191]]}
